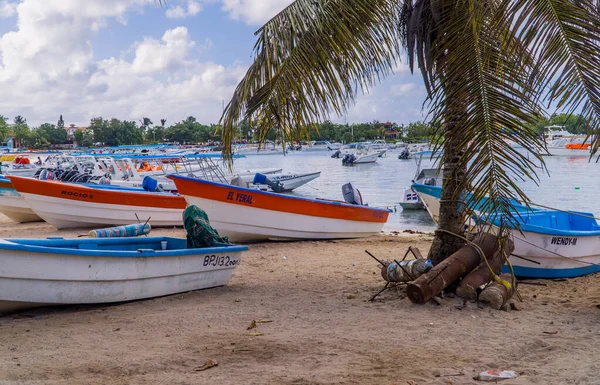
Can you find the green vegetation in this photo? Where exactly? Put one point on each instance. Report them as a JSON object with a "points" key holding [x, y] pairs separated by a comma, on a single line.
{"points": [[115, 132]]}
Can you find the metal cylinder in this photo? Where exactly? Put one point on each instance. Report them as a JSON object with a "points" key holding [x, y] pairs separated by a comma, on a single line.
{"points": [[405, 271]]}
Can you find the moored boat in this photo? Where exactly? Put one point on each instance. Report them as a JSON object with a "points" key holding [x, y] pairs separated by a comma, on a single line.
{"points": [[66, 205], [548, 243], [246, 215], [554, 244], [12, 204], [107, 270]]}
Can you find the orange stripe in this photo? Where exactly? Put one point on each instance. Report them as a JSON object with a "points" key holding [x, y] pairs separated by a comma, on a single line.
{"points": [[6, 185], [87, 194], [270, 201]]}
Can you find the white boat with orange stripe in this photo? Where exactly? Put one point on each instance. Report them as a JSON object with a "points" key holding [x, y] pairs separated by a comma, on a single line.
{"points": [[65, 205], [246, 215]]}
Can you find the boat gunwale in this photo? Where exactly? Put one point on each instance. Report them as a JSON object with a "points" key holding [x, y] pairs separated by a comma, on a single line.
{"points": [[53, 246], [270, 194]]}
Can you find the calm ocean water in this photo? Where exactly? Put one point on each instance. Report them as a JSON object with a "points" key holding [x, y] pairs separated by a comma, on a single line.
{"points": [[572, 184]]}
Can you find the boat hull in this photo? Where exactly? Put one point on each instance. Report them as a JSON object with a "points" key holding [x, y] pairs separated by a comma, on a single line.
{"points": [[551, 256], [108, 277], [290, 182], [247, 215], [13, 206], [65, 205], [362, 159]]}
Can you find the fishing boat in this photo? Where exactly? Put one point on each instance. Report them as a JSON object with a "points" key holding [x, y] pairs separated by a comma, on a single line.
{"points": [[289, 182], [66, 205], [548, 243], [430, 176], [12, 204], [554, 244], [359, 153], [247, 215], [107, 270], [431, 195], [321, 145]]}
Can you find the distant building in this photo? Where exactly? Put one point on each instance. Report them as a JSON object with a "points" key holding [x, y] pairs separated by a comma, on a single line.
{"points": [[390, 132], [71, 130]]}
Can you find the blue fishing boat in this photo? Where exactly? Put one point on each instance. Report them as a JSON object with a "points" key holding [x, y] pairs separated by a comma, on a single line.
{"points": [[554, 244], [43, 272], [548, 243]]}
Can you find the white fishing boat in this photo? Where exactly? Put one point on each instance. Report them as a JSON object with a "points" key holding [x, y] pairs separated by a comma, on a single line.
{"points": [[289, 182], [67, 205], [321, 145], [43, 272], [429, 177], [246, 215], [13, 206], [410, 200], [358, 153]]}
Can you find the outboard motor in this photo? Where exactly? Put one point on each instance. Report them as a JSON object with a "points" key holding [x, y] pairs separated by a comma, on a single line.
{"points": [[46, 175], [336, 154], [405, 154], [348, 160], [151, 184], [352, 195], [262, 179]]}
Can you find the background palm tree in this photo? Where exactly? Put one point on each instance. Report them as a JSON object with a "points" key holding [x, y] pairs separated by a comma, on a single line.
{"points": [[490, 67]]}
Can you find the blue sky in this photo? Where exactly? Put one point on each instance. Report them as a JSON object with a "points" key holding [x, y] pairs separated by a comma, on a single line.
{"points": [[132, 58]]}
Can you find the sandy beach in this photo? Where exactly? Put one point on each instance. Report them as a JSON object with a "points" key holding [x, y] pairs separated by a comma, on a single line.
{"points": [[316, 325]]}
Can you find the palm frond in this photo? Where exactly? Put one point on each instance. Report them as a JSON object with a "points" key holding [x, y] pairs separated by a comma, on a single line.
{"points": [[310, 61], [481, 101], [565, 36]]}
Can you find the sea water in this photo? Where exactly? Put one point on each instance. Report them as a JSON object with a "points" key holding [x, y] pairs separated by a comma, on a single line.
{"points": [[572, 182]]}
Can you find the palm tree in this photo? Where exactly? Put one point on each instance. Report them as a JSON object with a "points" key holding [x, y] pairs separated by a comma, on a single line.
{"points": [[19, 120], [490, 67]]}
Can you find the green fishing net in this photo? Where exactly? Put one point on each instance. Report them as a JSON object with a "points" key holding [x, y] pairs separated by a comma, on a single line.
{"points": [[199, 231]]}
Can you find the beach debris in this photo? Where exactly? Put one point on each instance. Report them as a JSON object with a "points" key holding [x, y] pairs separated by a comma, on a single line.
{"points": [[399, 269], [550, 332], [255, 334], [495, 295], [405, 271], [207, 365], [264, 321], [457, 265], [485, 272], [252, 325], [121, 231], [496, 375]]}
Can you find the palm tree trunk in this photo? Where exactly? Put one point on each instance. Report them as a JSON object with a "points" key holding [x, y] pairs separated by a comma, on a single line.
{"points": [[451, 218]]}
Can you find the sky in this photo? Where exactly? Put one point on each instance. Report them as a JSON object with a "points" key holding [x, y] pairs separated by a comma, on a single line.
{"points": [[130, 59]]}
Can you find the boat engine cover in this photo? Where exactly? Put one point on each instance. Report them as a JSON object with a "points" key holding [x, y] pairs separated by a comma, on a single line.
{"points": [[351, 194]]}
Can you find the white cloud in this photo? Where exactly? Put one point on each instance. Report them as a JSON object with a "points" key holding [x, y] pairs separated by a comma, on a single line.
{"points": [[7, 9], [179, 12], [152, 55], [48, 64], [402, 89], [254, 12]]}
